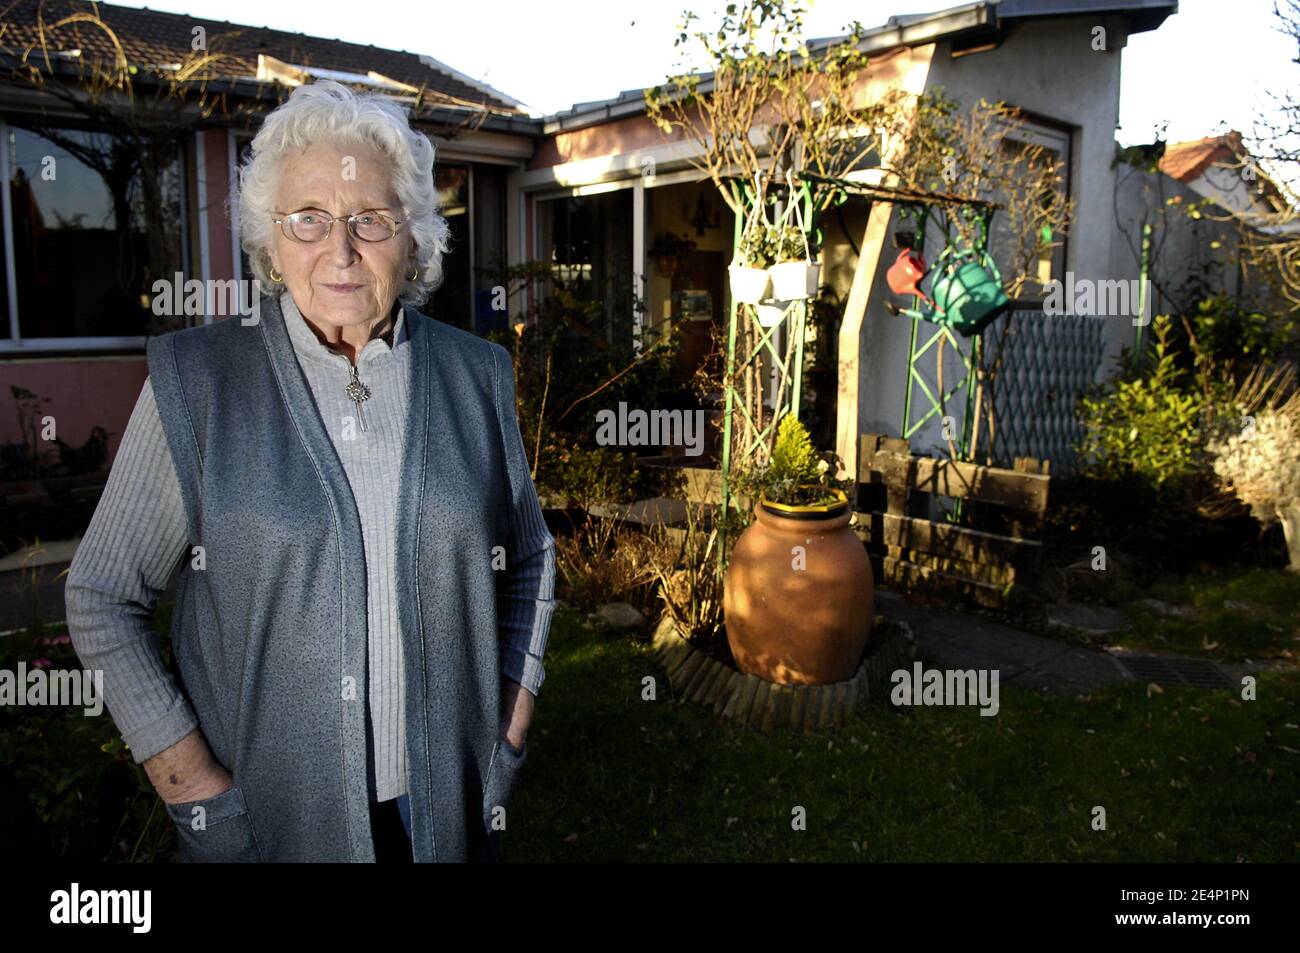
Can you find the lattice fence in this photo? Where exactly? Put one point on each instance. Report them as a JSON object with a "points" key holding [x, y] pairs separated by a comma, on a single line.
{"points": [[1048, 361]]}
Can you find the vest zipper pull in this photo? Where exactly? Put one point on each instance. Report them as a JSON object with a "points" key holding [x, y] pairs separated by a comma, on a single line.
{"points": [[358, 392]]}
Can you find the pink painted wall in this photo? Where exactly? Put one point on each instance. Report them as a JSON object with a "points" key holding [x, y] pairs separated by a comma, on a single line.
{"points": [[611, 138], [83, 394], [216, 153]]}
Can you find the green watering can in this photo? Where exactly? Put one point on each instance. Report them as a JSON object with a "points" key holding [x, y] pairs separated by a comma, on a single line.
{"points": [[966, 290]]}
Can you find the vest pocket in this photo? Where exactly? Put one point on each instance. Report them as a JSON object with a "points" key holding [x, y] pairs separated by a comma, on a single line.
{"points": [[223, 836], [502, 768]]}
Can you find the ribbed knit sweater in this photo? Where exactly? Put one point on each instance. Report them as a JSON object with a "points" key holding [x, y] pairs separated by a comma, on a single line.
{"points": [[138, 537]]}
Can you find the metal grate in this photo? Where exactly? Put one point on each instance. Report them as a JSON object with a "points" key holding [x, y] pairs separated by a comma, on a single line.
{"points": [[1048, 361], [1176, 671]]}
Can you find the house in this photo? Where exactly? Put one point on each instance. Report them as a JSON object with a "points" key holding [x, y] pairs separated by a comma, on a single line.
{"points": [[590, 189], [1221, 169], [1043, 56], [78, 257], [1188, 199]]}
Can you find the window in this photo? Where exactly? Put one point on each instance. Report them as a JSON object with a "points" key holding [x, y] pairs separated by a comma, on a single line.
{"points": [[451, 301], [489, 246], [1047, 146], [587, 239], [94, 225]]}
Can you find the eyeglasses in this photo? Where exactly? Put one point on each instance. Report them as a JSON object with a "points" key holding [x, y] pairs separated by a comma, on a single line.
{"points": [[314, 225]]}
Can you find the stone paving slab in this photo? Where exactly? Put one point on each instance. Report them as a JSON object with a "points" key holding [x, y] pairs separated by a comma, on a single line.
{"points": [[954, 639]]}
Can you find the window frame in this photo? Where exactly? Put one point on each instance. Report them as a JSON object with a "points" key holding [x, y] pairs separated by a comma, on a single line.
{"points": [[15, 344], [1038, 130]]}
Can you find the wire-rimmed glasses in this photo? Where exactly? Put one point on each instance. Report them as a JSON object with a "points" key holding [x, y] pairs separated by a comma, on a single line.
{"points": [[314, 225]]}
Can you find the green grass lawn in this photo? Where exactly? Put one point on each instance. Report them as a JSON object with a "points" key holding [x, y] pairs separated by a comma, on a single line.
{"points": [[1183, 775], [1187, 775], [1241, 614]]}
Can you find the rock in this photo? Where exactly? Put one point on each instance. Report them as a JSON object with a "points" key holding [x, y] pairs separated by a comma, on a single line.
{"points": [[621, 615], [1166, 609], [1090, 620]]}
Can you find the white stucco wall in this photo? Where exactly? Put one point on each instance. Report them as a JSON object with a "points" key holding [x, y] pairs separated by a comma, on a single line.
{"points": [[1049, 69]]}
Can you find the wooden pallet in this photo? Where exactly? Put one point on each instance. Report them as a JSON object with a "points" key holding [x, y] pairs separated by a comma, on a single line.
{"points": [[911, 552]]}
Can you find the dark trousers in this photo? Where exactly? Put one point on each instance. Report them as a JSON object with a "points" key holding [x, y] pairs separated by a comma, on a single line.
{"points": [[393, 842], [392, 845]]}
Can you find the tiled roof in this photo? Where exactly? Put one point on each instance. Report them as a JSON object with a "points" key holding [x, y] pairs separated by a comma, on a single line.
{"points": [[150, 38], [1187, 161]]}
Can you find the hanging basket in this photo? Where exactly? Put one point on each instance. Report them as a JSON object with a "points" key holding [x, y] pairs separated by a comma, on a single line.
{"points": [[770, 313], [967, 291], [795, 280], [749, 285]]}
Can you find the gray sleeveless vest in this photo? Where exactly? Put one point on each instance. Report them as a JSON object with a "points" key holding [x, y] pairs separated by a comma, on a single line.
{"points": [[269, 635]]}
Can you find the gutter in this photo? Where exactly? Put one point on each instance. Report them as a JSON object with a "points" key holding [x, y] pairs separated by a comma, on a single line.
{"points": [[980, 15]]}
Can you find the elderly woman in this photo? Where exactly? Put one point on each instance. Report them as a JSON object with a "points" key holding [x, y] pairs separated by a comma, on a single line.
{"points": [[367, 582]]}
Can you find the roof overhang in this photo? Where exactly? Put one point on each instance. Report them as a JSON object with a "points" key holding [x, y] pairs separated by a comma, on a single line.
{"points": [[971, 25]]}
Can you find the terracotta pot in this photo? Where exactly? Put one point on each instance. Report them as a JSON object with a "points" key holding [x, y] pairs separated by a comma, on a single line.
{"points": [[799, 616]]}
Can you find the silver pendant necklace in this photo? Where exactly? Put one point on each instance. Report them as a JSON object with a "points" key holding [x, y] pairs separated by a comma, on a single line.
{"points": [[358, 392]]}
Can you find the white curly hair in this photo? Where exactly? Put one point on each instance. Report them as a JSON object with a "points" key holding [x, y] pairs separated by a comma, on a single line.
{"points": [[329, 111]]}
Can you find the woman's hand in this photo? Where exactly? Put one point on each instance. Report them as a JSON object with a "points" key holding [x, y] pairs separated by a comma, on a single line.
{"points": [[516, 712], [187, 771]]}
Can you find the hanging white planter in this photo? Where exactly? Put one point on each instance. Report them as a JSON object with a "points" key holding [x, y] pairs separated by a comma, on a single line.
{"points": [[749, 285], [794, 280], [769, 313]]}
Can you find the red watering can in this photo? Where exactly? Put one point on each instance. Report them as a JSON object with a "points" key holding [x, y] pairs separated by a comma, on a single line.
{"points": [[905, 274]]}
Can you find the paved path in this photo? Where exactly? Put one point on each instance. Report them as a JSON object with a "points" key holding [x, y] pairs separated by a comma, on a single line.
{"points": [[953, 639]]}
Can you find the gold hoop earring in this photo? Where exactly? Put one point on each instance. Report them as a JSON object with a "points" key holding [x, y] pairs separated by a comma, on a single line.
{"points": [[277, 278], [415, 273]]}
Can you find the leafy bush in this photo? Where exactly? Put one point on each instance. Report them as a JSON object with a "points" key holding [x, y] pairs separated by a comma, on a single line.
{"points": [[1149, 424], [571, 475], [1260, 463], [69, 787], [1231, 336], [574, 353]]}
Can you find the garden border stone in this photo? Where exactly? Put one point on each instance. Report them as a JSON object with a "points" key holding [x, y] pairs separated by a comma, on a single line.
{"points": [[757, 703]]}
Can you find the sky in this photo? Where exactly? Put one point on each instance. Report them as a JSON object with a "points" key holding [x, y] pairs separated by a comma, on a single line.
{"points": [[1205, 69]]}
